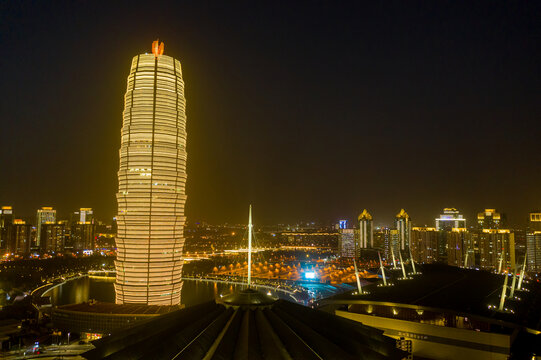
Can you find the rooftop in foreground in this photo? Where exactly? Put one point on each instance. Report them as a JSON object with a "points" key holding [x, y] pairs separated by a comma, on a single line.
{"points": [[458, 290], [245, 330]]}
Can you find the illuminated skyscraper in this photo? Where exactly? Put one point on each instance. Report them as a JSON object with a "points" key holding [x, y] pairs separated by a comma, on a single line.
{"points": [[424, 244], [20, 241], [450, 219], [457, 246], [346, 243], [46, 215], [490, 219], [151, 183], [382, 241], [82, 230], [534, 221], [497, 245], [53, 237], [403, 225], [6, 220], [533, 249], [366, 234]]}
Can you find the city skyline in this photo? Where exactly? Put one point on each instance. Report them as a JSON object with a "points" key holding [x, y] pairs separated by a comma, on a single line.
{"points": [[459, 108], [349, 218], [388, 151]]}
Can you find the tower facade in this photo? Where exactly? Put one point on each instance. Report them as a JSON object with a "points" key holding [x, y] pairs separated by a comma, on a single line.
{"points": [[403, 226], [366, 234], [82, 230], [533, 249], [151, 183], [491, 219], [450, 219], [424, 244], [45, 215], [21, 237], [6, 220], [534, 221]]}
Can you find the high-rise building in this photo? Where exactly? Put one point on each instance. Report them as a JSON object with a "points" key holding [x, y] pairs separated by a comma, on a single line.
{"points": [[82, 230], [46, 215], [366, 234], [21, 237], [424, 244], [83, 216], [151, 183], [450, 219], [342, 224], [382, 241], [6, 220], [534, 221], [533, 251], [520, 242], [458, 245], [451, 225], [403, 225], [82, 237], [52, 237], [491, 219], [495, 244], [346, 243], [394, 243]]}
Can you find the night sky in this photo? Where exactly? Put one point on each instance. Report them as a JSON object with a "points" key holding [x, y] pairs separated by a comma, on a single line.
{"points": [[308, 110]]}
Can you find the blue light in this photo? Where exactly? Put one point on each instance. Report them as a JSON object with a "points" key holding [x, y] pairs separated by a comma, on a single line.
{"points": [[310, 275], [343, 224]]}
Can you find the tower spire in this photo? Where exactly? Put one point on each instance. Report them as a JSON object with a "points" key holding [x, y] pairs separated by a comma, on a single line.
{"points": [[250, 247], [157, 48]]}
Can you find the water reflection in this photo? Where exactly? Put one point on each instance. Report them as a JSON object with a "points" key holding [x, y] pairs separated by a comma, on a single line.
{"points": [[85, 288]]}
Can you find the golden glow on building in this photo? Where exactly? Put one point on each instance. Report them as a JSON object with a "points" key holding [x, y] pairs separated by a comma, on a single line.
{"points": [[489, 213], [366, 233], [403, 225], [151, 183], [535, 217], [423, 228], [496, 231], [365, 215], [402, 214], [45, 215]]}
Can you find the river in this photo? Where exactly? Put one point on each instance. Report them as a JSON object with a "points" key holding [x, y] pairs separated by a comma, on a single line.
{"points": [[85, 288], [193, 292]]}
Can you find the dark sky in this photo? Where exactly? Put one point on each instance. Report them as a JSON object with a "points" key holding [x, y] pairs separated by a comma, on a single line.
{"points": [[309, 110]]}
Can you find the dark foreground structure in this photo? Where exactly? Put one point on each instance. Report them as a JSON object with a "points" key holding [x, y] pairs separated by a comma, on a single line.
{"points": [[451, 313], [247, 325]]}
